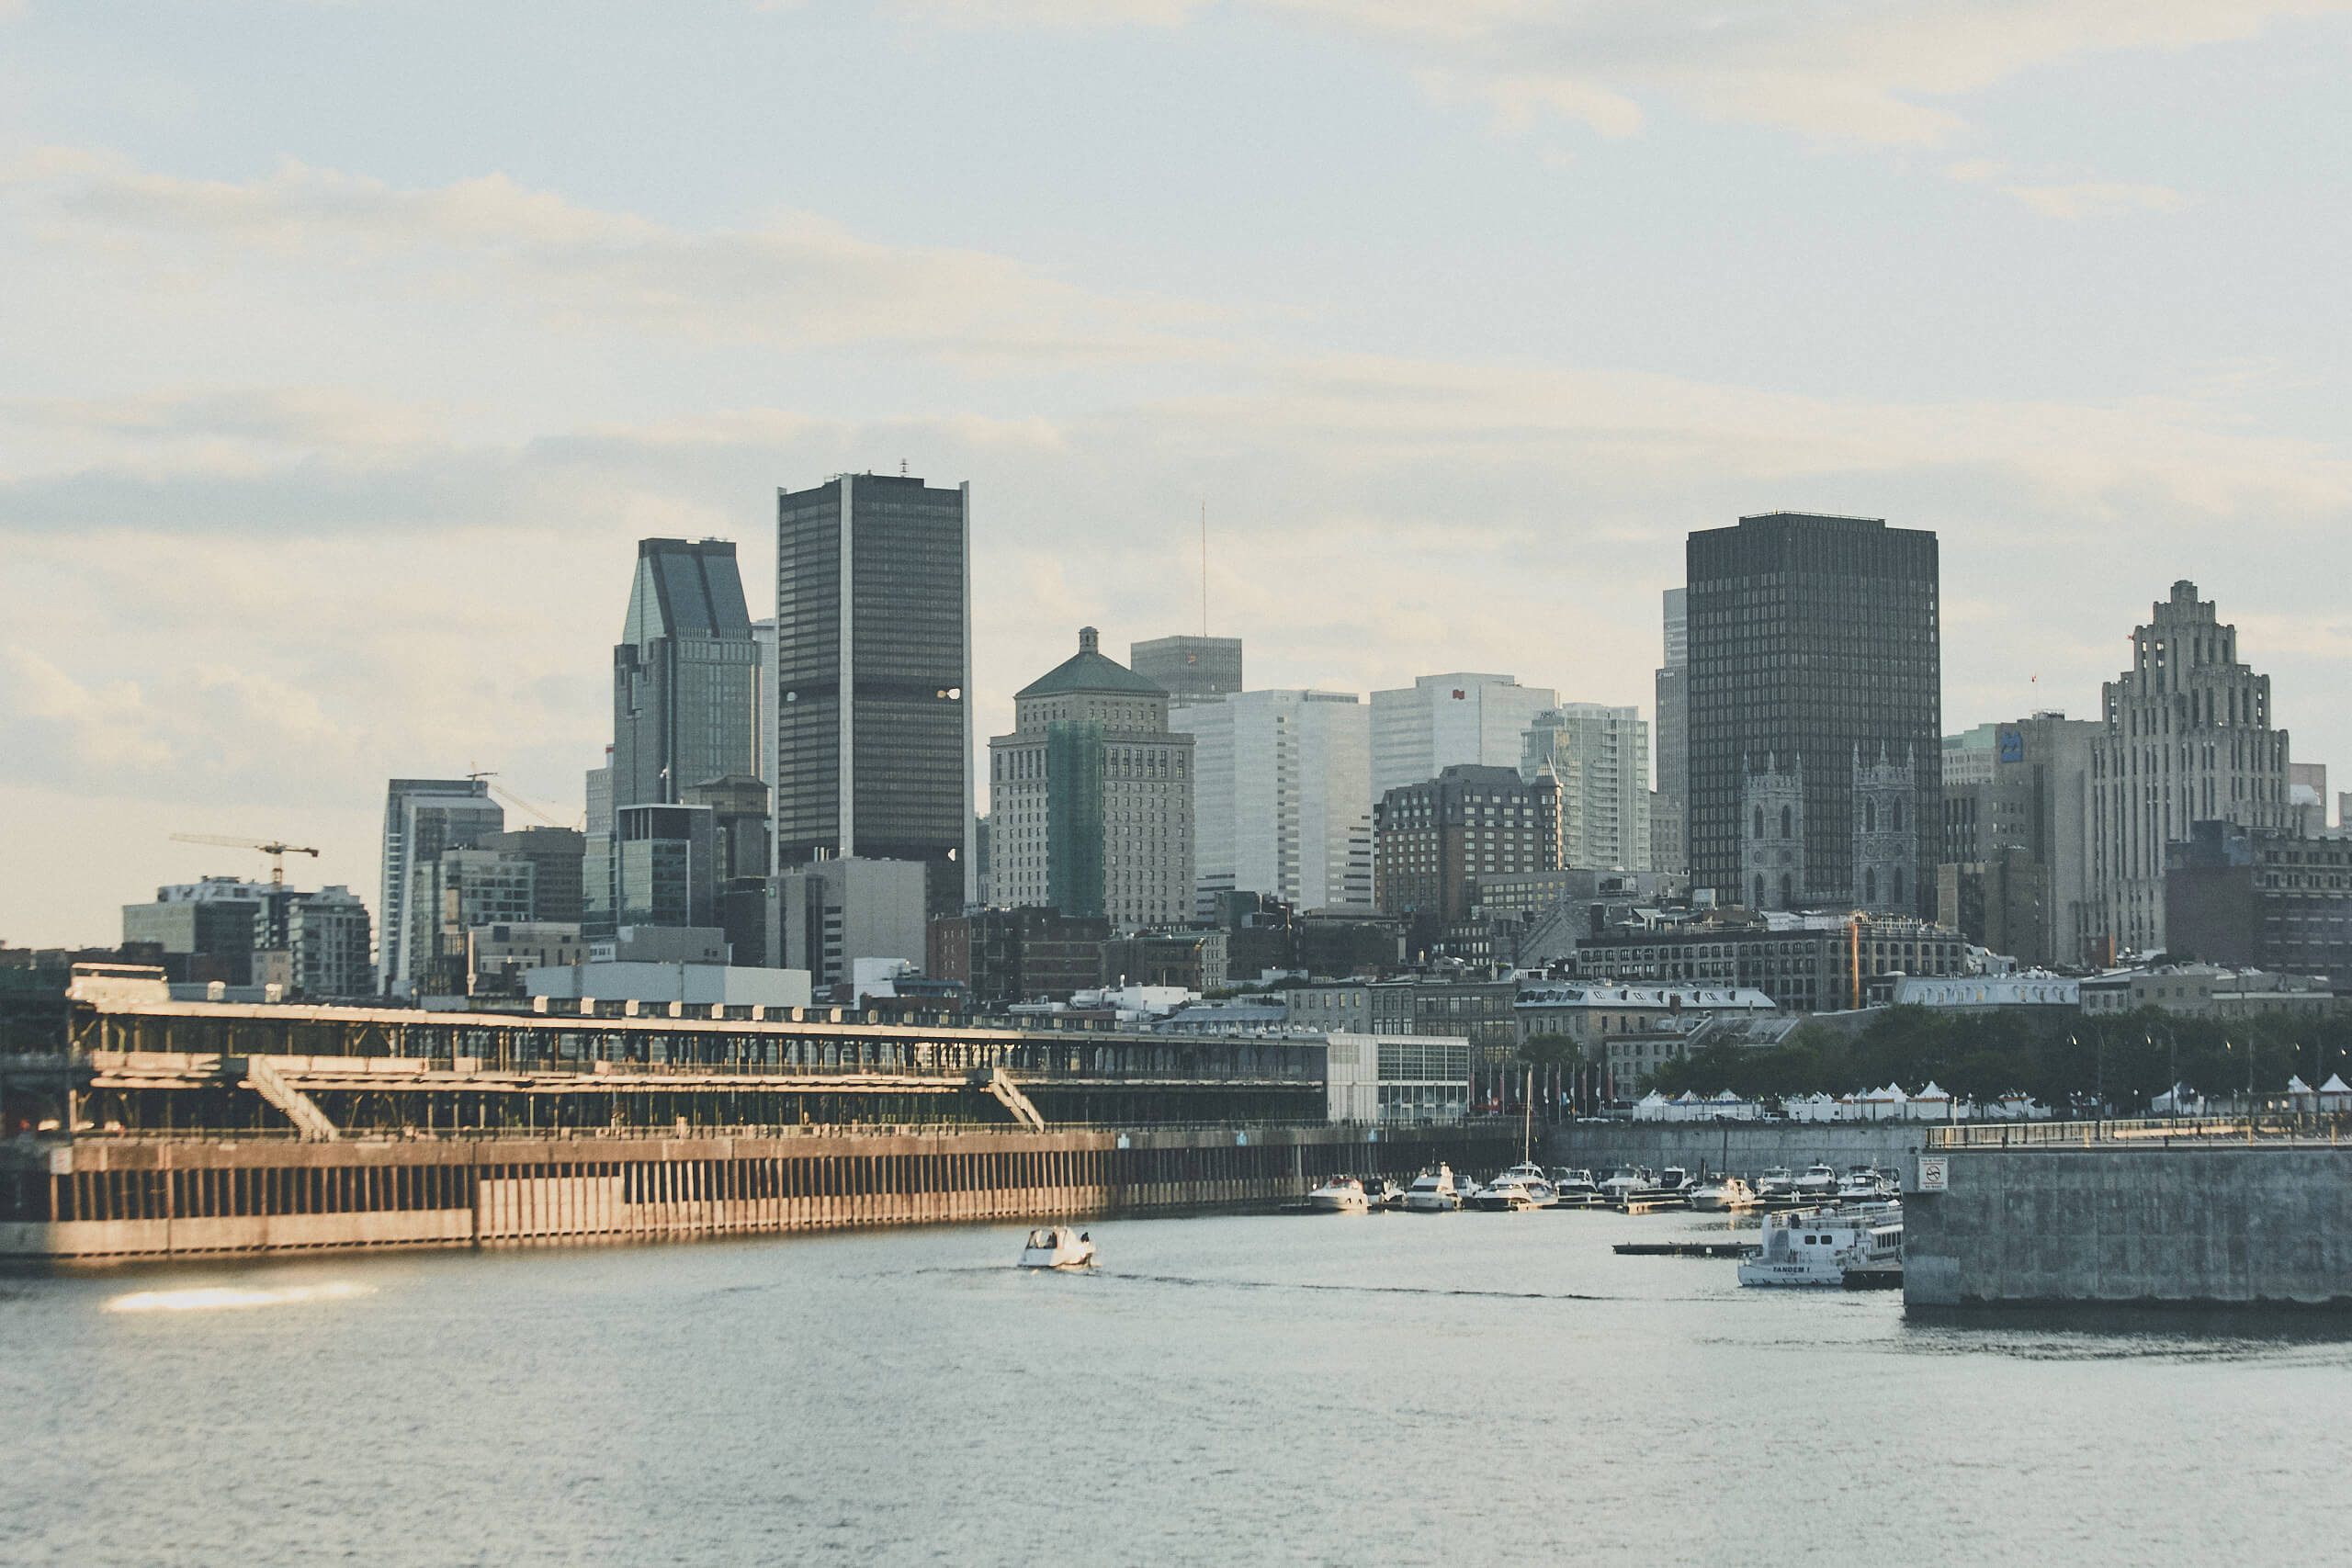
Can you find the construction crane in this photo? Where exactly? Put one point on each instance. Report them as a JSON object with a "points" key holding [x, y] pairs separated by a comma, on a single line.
{"points": [[521, 803], [275, 850]]}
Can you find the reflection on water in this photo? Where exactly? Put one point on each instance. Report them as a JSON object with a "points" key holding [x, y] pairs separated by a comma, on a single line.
{"points": [[1453, 1390], [213, 1297]]}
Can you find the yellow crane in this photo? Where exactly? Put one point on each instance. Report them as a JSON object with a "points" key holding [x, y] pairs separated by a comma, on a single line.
{"points": [[277, 850]]}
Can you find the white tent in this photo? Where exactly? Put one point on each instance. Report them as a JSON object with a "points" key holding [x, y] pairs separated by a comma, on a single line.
{"points": [[1729, 1107], [1884, 1105], [1930, 1104], [2335, 1094], [1651, 1107]]}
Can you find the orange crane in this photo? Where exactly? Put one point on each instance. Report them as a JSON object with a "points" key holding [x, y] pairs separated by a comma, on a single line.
{"points": [[275, 850]]}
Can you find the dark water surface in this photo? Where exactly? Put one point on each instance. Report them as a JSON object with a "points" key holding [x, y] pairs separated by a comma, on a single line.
{"points": [[1459, 1390]]}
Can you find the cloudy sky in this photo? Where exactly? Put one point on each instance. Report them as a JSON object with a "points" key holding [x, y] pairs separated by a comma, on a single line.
{"points": [[350, 346]]}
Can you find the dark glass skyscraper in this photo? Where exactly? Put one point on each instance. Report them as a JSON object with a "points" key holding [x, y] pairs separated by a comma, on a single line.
{"points": [[685, 675], [1815, 713], [874, 659]]}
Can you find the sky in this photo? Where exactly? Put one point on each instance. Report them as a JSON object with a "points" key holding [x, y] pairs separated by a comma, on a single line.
{"points": [[349, 347]]}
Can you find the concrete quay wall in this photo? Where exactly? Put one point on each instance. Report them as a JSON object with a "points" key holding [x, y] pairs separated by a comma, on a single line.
{"points": [[1745, 1148], [106, 1201], [2215, 1224]]}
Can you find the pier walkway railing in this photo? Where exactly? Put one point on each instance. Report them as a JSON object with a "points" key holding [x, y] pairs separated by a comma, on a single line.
{"points": [[2298, 1127]]}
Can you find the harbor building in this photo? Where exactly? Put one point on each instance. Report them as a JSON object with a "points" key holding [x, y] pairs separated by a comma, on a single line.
{"points": [[1600, 758], [1440, 721], [1815, 684], [1189, 669], [422, 818], [2187, 737], [1091, 796], [686, 674], [1281, 798], [874, 661]]}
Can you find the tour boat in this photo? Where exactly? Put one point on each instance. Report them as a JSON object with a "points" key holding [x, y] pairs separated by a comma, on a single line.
{"points": [[1058, 1246], [1341, 1195], [1521, 1187], [1627, 1181], [1820, 1247], [1722, 1194], [1433, 1192], [1818, 1181], [1777, 1182], [1865, 1184]]}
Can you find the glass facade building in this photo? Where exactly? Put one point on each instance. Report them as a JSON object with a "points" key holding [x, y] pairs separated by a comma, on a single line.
{"points": [[685, 675], [873, 667], [1814, 657]]}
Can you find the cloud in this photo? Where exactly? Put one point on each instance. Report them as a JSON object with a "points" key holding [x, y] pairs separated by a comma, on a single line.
{"points": [[794, 280], [1868, 70], [2074, 202]]}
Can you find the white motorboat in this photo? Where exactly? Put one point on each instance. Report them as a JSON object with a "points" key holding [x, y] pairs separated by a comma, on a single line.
{"points": [[1058, 1247], [1574, 1188], [1674, 1181], [1341, 1195], [1627, 1181], [1821, 1247], [1433, 1192], [1521, 1187], [1390, 1195], [1818, 1181], [1723, 1195], [1777, 1182], [1865, 1184]]}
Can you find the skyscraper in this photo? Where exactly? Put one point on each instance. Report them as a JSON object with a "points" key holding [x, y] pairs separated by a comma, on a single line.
{"points": [[1189, 668], [1668, 830], [422, 818], [1816, 702], [1600, 757], [1440, 721], [2187, 738], [1281, 798], [686, 674], [874, 659], [1090, 796]]}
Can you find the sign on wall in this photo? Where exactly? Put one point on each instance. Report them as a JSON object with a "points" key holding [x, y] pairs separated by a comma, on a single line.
{"points": [[1934, 1173]]}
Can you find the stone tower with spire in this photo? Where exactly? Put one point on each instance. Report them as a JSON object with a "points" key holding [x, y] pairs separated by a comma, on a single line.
{"points": [[1886, 833], [1772, 832]]}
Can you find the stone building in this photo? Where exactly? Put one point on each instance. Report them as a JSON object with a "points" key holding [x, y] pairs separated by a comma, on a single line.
{"points": [[1090, 796], [1772, 825]]}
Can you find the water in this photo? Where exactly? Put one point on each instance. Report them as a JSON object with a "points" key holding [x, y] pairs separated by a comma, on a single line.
{"points": [[1462, 1390]]}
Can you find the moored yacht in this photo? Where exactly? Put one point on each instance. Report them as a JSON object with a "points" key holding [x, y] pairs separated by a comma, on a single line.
{"points": [[1433, 1192], [1627, 1181], [1521, 1187], [1865, 1184], [1722, 1195], [1820, 1247], [1575, 1188], [1341, 1195], [1818, 1181], [1777, 1182]]}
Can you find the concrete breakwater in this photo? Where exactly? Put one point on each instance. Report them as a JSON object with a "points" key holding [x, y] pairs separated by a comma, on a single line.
{"points": [[110, 1200], [1743, 1147], [2220, 1223]]}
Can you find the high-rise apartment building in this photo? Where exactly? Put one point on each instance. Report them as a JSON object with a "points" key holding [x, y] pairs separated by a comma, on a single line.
{"points": [[1444, 721], [874, 659], [1090, 796], [1281, 798], [1815, 704], [1432, 838], [686, 674], [1668, 831], [1189, 669], [2187, 738], [422, 818], [1600, 757], [327, 933]]}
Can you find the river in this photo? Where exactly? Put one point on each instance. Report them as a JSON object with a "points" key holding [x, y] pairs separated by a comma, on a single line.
{"points": [[1464, 1390]]}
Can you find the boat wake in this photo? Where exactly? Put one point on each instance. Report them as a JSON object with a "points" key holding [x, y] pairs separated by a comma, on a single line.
{"points": [[221, 1297]]}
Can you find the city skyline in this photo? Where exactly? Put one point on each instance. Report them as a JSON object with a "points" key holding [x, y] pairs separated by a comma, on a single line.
{"points": [[468, 346]]}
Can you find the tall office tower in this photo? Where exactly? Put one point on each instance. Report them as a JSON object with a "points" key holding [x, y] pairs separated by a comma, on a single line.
{"points": [[558, 856], [1281, 798], [1090, 796], [1668, 833], [1601, 756], [1814, 653], [764, 637], [2187, 738], [686, 674], [1189, 669], [2014, 873], [874, 661], [663, 870], [422, 818], [1440, 721]]}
